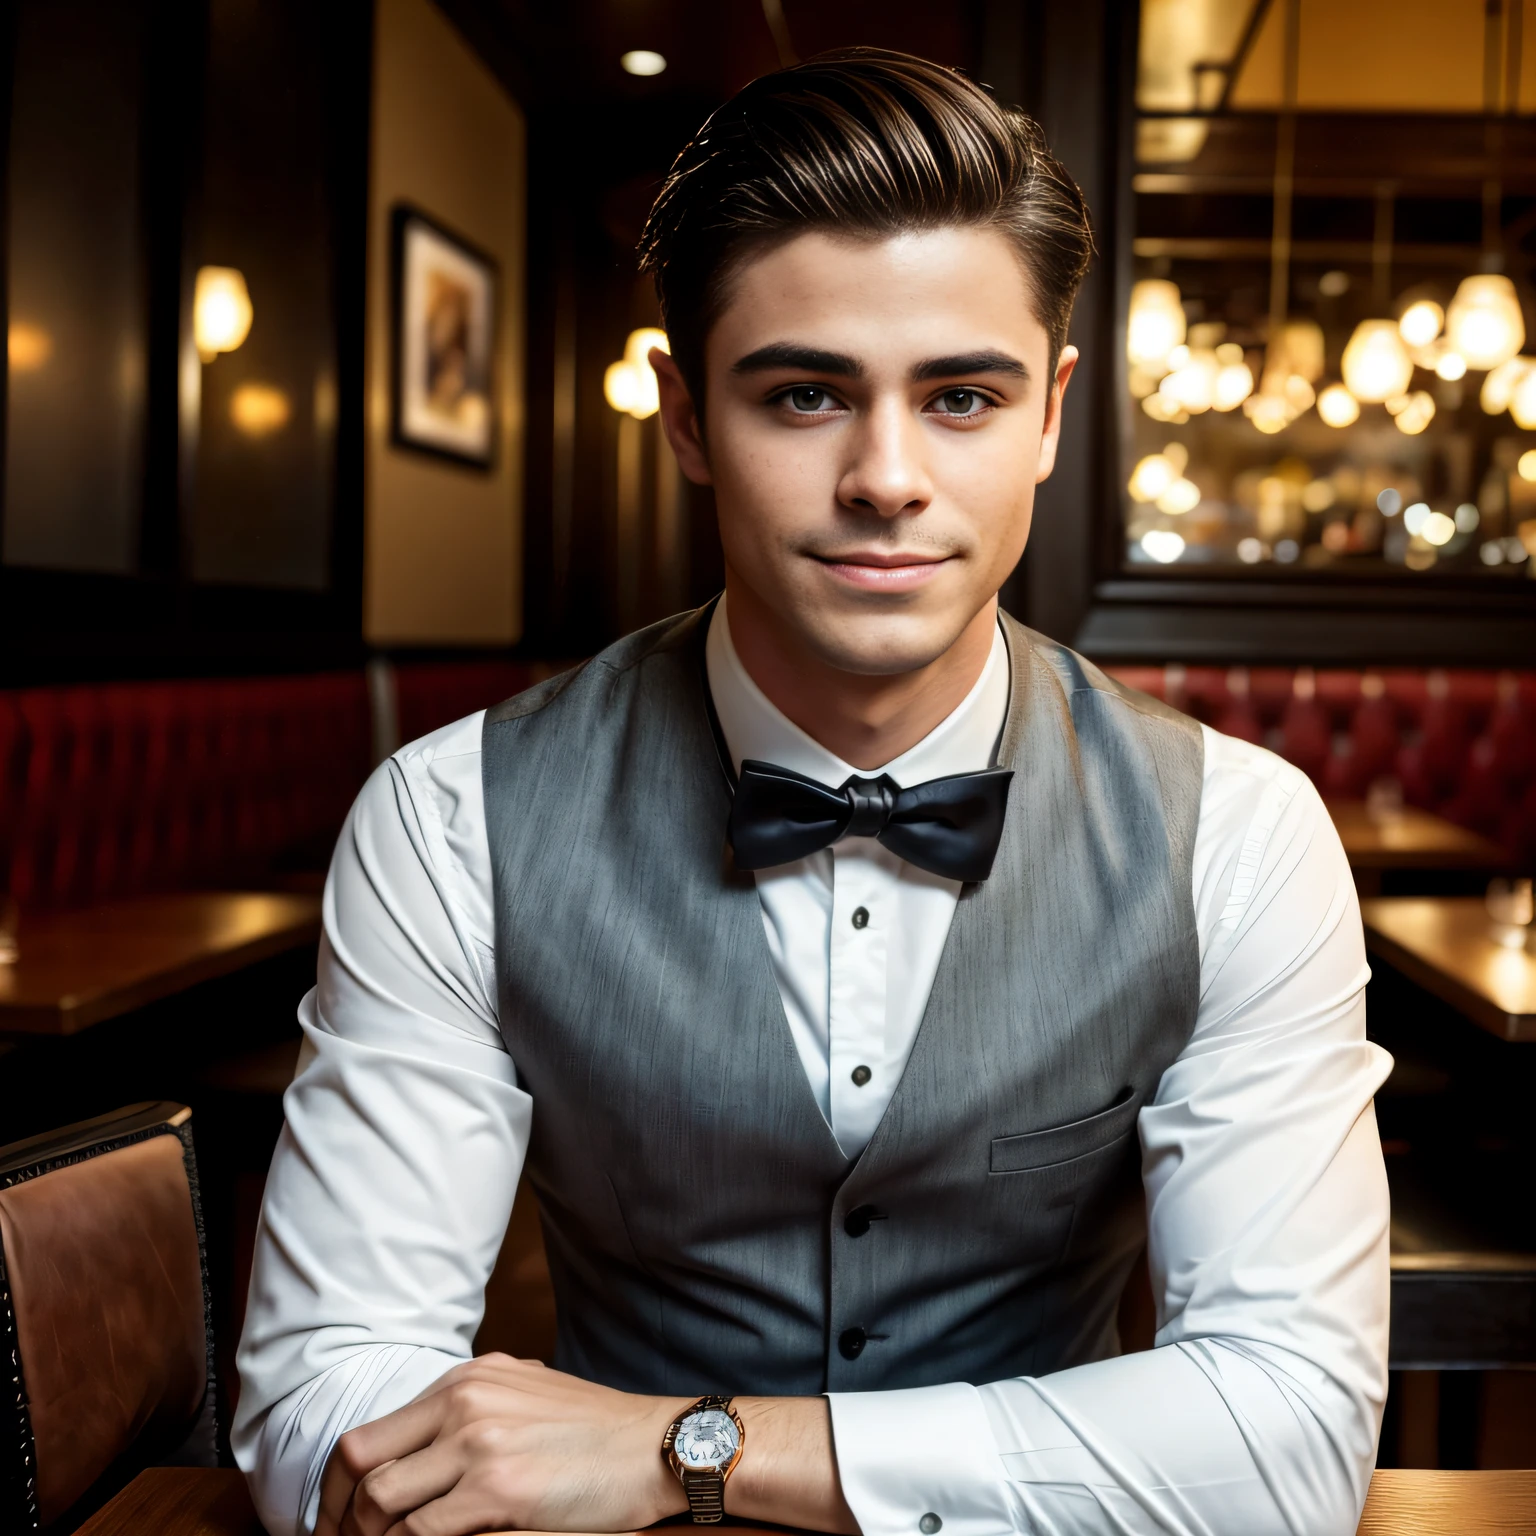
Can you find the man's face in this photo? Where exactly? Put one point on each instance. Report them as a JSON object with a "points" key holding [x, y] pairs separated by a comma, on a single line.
{"points": [[878, 414]]}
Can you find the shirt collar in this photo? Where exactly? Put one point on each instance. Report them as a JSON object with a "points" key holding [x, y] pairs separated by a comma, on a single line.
{"points": [[754, 727]]}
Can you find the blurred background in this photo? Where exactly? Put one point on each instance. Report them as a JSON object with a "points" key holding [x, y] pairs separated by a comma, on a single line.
{"points": [[326, 421]]}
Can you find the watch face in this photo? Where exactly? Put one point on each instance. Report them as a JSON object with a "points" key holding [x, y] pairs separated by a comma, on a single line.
{"points": [[708, 1438]]}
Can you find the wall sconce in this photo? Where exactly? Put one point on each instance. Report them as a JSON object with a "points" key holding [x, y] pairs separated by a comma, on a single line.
{"points": [[629, 385], [258, 410], [221, 311]]}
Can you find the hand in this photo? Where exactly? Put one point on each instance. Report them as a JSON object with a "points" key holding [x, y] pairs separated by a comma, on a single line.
{"points": [[498, 1444]]}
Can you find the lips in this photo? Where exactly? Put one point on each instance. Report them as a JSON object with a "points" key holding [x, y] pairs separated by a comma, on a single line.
{"points": [[883, 570]]}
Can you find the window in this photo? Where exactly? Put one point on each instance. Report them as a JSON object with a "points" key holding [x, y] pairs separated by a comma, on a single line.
{"points": [[1325, 367]]}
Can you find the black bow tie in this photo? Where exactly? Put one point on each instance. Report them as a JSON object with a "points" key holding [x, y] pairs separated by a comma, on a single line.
{"points": [[950, 827]]}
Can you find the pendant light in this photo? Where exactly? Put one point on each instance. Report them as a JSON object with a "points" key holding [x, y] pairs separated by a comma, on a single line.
{"points": [[1484, 323], [1376, 365], [1338, 407], [1155, 325]]}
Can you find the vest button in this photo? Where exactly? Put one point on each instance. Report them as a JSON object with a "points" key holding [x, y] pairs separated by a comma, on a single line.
{"points": [[851, 1342], [860, 1076], [861, 917], [857, 1221], [930, 1524]]}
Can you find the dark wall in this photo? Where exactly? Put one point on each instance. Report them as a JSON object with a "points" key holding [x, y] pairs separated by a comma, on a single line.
{"points": [[164, 514]]}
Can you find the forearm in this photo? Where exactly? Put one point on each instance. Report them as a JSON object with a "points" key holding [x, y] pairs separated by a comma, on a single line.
{"points": [[788, 1469]]}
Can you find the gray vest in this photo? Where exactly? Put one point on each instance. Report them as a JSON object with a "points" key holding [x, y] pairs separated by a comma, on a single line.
{"points": [[695, 1204]]}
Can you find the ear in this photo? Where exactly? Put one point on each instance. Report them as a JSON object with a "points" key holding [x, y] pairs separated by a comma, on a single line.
{"points": [[1050, 434], [679, 420]]}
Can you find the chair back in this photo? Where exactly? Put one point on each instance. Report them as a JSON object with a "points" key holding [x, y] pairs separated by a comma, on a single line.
{"points": [[104, 1311]]}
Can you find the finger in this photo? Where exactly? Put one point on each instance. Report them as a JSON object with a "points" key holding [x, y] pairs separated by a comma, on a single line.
{"points": [[362, 1450], [399, 1488]]}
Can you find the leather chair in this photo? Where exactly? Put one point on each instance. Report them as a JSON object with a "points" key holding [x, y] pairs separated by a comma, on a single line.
{"points": [[104, 1313]]}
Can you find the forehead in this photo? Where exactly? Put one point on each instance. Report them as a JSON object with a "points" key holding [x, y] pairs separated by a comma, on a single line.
{"points": [[919, 292]]}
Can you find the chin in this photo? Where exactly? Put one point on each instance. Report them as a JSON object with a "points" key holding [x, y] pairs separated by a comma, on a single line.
{"points": [[882, 644]]}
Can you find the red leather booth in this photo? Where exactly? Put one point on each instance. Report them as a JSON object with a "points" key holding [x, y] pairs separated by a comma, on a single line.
{"points": [[1460, 743], [112, 789]]}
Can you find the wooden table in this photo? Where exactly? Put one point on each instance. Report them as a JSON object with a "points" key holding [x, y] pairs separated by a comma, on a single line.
{"points": [[1451, 947], [1407, 839], [190, 1501], [78, 968]]}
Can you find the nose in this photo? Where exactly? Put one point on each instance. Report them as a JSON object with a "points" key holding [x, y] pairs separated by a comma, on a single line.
{"points": [[888, 471]]}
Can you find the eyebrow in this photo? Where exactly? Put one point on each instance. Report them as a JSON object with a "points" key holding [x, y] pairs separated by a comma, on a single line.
{"points": [[969, 362], [785, 354]]}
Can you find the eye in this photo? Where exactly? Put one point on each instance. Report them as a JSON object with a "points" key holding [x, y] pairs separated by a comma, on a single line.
{"points": [[808, 399], [961, 402]]}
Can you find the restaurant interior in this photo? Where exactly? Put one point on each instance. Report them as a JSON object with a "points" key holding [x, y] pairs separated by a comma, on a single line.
{"points": [[328, 420]]}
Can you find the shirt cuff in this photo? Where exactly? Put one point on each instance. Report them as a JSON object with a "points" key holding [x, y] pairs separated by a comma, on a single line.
{"points": [[920, 1461]]}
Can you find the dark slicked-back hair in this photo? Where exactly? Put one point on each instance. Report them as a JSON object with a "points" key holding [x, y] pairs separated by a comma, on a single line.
{"points": [[867, 143]]}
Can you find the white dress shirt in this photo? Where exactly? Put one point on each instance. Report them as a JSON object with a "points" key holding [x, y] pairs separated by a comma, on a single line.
{"points": [[1267, 1203]]}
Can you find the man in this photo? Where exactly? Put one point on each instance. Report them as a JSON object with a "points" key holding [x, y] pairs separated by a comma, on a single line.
{"points": [[862, 977]]}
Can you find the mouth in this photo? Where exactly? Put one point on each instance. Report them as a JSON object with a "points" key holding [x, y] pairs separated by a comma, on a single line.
{"points": [[883, 570]]}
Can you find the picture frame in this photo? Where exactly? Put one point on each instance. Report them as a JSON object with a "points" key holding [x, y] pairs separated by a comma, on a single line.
{"points": [[443, 333]]}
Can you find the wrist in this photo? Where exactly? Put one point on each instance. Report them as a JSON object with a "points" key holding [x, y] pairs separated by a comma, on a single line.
{"points": [[663, 1492], [787, 1474]]}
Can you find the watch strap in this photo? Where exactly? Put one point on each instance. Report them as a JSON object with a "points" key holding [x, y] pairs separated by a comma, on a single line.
{"points": [[704, 1489]]}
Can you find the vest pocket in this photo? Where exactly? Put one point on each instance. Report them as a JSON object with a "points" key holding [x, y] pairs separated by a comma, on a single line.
{"points": [[1066, 1143]]}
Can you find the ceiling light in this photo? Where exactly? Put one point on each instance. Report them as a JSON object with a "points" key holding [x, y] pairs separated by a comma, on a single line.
{"points": [[1522, 402], [1484, 322], [1418, 410], [1526, 468], [1421, 323], [1234, 383], [1155, 325], [1499, 387], [1376, 364], [1450, 366], [1163, 545], [642, 61], [1180, 497], [1416, 516], [1337, 406], [1151, 477], [27, 346], [1192, 384], [1438, 529]]}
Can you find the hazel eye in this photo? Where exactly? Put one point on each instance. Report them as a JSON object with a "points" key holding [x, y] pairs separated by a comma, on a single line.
{"points": [[808, 399], [960, 402]]}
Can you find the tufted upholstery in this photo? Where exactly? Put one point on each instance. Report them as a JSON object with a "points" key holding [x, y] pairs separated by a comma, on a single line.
{"points": [[111, 789], [1461, 744], [118, 788], [430, 694]]}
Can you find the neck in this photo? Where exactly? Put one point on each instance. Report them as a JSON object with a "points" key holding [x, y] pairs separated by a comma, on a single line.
{"points": [[865, 719]]}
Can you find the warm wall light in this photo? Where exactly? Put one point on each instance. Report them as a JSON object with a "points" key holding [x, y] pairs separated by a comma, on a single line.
{"points": [[630, 385], [1376, 364], [1484, 323], [28, 346], [642, 61], [1338, 407], [258, 410], [1155, 325], [221, 311]]}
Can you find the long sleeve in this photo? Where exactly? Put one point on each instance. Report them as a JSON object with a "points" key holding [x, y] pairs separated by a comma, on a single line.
{"points": [[1259, 1407], [393, 1180]]}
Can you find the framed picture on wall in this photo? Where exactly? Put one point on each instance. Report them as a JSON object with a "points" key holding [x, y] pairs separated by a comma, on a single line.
{"points": [[444, 338]]}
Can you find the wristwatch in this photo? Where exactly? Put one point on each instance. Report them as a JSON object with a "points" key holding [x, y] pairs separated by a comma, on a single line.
{"points": [[702, 1446]]}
